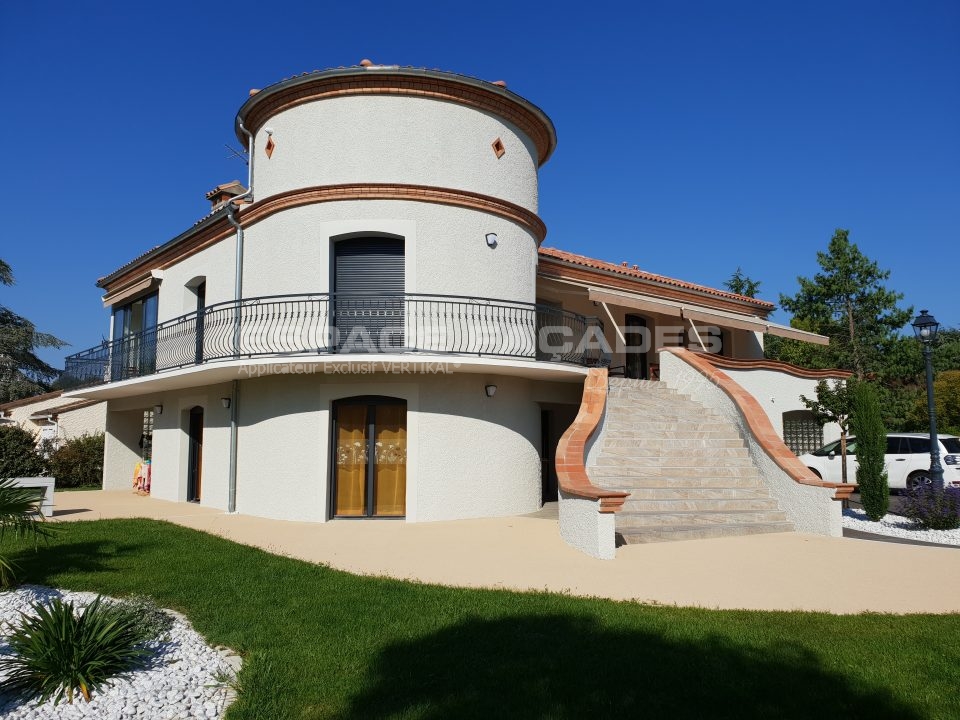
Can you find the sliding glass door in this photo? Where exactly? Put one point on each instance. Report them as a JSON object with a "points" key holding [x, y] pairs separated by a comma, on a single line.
{"points": [[135, 333], [370, 457]]}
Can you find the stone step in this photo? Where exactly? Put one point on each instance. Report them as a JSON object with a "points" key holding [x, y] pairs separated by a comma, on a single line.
{"points": [[611, 479], [649, 391], [677, 504], [675, 430], [651, 407], [672, 492], [631, 382], [687, 469], [608, 458], [680, 442], [667, 413], [616, 446], [627, 519], [635, 536]]}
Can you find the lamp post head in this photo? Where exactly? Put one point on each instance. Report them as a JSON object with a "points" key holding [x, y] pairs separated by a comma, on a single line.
{"points": [[925, 327]]}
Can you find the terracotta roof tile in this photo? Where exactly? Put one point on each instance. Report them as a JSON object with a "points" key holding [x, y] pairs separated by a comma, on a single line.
{"points": [[155, 248], [30, 400], [633, 272]]}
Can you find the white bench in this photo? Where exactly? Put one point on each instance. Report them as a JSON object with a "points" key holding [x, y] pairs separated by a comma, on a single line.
{"points": [[46, 508]]}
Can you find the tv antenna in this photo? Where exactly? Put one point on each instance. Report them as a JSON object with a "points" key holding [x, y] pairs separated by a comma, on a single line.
{"points": [[237, 154]]}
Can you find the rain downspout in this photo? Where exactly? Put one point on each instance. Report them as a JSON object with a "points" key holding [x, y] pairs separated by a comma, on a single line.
{"points": [[237, 296]]}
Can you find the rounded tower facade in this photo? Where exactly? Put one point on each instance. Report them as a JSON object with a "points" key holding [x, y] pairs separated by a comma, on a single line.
{"points": [[446, 163]]}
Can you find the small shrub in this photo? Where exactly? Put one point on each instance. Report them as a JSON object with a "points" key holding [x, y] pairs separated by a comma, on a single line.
{"points": [[20, 515], [60, 651], [933, 509], [866, 422], [78, 462], [18, 453]]}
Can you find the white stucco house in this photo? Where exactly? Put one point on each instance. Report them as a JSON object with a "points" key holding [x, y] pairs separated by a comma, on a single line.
{"points": [[373, 328], [52, 417]]}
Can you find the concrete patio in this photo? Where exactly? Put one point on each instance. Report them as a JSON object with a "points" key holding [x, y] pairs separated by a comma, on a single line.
{"points": [[785, 571]]}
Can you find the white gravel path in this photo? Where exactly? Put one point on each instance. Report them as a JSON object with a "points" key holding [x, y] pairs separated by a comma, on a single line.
{"points": [[184, 681], [897, 526]]}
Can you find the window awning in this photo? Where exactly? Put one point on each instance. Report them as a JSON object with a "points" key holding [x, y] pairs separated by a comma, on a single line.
{"points": [[726, 319], [794, 334], [142, 284], [702, 315], [664, 307]]}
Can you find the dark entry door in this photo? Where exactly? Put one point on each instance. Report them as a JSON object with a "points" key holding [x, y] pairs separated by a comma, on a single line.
{"points": [[636, 362], [368, 302], [369, 457], [195, 454]]}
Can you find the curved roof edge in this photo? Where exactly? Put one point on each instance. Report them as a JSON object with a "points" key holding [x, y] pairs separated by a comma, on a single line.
{"points": [[396, 80]]}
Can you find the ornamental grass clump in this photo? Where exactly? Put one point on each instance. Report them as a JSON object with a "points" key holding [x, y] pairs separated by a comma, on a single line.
{"points": [[61, 651], [933, 509]]}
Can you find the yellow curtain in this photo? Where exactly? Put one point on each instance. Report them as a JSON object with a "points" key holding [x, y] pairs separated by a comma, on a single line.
{"points": [[390, 470], [351, 459]]}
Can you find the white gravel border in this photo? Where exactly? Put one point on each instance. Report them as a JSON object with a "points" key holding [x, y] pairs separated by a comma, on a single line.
{"points": [[186, 680], [897, 526]]}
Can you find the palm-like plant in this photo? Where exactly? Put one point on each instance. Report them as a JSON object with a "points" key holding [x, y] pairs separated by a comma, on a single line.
{"points": [[59, 650], [20, 515]]}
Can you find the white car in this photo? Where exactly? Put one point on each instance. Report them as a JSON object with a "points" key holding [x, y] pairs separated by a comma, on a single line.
{"points": [[907, 460]]}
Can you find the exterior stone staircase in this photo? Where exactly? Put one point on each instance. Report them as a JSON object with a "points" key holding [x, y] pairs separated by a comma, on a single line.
{"points": [[686, 468]]}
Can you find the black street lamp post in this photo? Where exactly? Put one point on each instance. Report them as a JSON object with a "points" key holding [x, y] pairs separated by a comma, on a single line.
{"points": [[925, 326]]}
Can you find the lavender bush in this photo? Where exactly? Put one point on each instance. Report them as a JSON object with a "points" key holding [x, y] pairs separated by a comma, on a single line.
{"points": [[933, 509]]}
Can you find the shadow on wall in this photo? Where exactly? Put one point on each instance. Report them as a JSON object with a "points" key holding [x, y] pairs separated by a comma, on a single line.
{"points": [[564, 666]]}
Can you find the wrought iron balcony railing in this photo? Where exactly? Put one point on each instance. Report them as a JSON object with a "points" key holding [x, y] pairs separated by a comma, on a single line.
{"points": [[298, 325]]}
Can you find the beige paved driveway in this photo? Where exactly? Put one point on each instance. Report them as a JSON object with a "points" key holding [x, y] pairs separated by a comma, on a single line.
{"points": [[770, 572]]}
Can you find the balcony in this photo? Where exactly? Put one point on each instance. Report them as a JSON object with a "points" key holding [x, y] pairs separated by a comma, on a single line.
{"points": [[285, 326]]}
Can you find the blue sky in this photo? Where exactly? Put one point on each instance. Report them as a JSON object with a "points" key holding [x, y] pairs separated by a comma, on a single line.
{"points": [[694, 137]]}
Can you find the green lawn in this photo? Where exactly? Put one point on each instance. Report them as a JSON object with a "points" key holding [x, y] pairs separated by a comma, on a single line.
{"points": [[320, 643]]}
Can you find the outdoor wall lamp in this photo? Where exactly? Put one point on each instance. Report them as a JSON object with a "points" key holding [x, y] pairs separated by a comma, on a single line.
{"points": [[925, 326], [491, 390], [225, 402], [158, 409], [491, 240]]}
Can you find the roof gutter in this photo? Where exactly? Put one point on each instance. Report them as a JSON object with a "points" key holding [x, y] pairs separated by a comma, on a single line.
{"points": [[237, 296]]}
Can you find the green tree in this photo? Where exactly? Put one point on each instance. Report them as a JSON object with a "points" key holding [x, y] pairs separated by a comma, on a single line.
{"points": [[741, 284], [833, 404], [18, 453], [901, 379], [866, 422], [946, 401], [849, 303], [22, 373]]}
